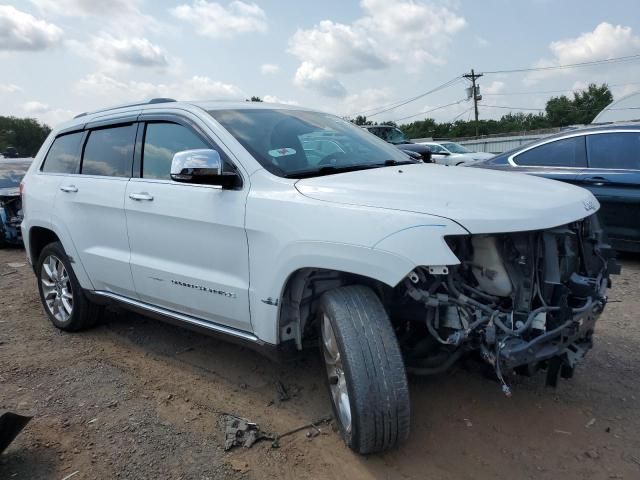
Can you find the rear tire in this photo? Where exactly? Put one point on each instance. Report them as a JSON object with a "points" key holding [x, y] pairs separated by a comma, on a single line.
{"points": [[60, 293], [365, 371]]}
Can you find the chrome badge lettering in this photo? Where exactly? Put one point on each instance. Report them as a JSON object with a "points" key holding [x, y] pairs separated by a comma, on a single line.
{"points": [[589, 205], [204, 289]]}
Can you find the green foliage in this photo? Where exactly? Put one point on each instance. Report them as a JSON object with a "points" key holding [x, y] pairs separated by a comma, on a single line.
{"points": [[559, 112], [24, 134], [361, 120]]}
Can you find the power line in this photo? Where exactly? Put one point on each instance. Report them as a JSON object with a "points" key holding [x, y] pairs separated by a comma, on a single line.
{"points": [[569, 107], [431, 110], [540, 92], [468, 110], [512, 108], [400, 103], [607, 61]]}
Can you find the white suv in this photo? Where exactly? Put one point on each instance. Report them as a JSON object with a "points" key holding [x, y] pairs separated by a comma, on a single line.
{"points": [[276, 225]]}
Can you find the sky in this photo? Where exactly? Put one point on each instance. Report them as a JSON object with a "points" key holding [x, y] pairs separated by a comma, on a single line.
{"points": [[59, 58]]}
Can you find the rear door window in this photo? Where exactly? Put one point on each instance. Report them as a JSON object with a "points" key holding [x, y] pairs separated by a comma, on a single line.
{"points": [[109, 151], [64, 154], [619, 151], [566, 152]]}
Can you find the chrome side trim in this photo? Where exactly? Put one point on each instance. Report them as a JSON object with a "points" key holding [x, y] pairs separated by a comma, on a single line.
{"points": [[179, 316]]}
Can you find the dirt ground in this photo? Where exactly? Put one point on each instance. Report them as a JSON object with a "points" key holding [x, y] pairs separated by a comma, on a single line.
{"points": [[135, 398]]}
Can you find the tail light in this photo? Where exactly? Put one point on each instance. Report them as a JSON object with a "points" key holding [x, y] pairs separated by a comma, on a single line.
{"points": [[21, 189]]}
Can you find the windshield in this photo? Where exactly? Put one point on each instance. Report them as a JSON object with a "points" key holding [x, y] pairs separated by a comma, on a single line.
{"points": [[296, 143], [455, 148], [11, 173]]}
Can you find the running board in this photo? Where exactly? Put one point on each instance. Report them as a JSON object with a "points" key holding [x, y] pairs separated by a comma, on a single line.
{"points": [[178, 317]]}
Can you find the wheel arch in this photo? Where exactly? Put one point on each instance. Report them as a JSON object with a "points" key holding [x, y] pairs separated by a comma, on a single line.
{"points": [[301, 294], [40, 235]]}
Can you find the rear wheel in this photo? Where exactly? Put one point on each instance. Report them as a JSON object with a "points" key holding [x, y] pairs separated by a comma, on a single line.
{"points": [[60, 293], [365, 372]]}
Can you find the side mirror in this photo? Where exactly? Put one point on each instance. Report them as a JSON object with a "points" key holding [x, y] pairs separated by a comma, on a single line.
{"points": [[202, 166]]}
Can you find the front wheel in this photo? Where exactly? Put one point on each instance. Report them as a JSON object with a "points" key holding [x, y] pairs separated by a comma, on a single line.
{"points": [[365, 371]]}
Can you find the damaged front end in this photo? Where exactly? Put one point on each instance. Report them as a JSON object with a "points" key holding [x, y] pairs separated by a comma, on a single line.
{"points": [[10, 218], [524, 301]]}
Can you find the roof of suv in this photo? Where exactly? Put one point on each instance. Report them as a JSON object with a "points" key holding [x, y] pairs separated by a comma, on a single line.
{"points": [[159, 103]]}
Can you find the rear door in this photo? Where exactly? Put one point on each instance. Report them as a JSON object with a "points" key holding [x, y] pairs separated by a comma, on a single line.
{"points": [[189, 250], [90, 205], [613, 177], [562, 159]]}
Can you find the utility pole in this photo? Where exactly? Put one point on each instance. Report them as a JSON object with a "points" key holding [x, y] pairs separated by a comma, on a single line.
{"points": [[475, 92]]}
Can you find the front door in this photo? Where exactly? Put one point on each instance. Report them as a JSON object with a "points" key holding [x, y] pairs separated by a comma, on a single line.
{"points": [[189, 251], [614, 179]]}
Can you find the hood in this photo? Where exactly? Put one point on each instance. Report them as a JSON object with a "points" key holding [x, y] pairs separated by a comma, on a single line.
{"points": [[482, 201]]}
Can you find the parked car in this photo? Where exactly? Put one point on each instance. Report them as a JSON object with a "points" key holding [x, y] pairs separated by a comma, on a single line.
{"points": [[11, 173], [395, 136], [603, 159], [229, 219], [451, 153]]}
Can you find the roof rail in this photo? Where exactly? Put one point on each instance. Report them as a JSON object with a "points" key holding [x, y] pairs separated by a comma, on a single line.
{"points": [[161, 100], [152, 101]]}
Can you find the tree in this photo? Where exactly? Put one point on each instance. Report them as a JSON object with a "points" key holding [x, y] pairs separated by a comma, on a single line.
{"points": [[253, 99], [588, 103], [582, 109], [26, 135], [361, 120]]}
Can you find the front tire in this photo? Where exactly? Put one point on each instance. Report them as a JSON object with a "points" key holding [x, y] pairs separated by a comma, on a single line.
{"points": [[365, 372], [60, 293]]}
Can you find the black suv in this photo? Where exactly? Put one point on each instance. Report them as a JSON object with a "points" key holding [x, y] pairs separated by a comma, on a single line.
{"points": [[396, 137]]}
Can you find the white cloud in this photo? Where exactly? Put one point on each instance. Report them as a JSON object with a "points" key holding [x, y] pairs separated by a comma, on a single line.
{"points": [[494, 87], [214, 20], [481, 41], [21, 31], [404, 32], [118, 51], [320, 79], [337, 47], [9, 88], [269, 68], [274, 99], [123, 15], [366, 100], [101, 86], [35, 107], [45, 113], [604, 42]]}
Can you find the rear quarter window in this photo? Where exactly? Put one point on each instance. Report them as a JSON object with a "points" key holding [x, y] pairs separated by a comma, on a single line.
{"points": [[64, 154]]}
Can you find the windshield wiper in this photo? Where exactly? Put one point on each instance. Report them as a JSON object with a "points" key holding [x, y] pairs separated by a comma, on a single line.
{"points": [[393, 163], [329, 170]]}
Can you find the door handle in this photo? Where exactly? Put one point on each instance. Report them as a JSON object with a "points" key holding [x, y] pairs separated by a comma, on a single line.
{"points": [[69, 188], [139, 197], [597, 181]]}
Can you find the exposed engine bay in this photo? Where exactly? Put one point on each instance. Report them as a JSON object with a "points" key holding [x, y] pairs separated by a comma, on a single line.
{"points": [[523, 301], [10, 218]]}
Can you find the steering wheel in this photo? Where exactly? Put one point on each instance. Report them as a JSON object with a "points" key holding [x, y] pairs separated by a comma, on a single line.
{"points": [[332, 159]]}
